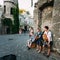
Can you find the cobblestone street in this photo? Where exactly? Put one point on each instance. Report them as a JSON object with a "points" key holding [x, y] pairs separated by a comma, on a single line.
{"points": [[16, 44]]}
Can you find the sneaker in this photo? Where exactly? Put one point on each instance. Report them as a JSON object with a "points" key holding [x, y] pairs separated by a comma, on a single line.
{"points": [[47, 56], [39, 51]]}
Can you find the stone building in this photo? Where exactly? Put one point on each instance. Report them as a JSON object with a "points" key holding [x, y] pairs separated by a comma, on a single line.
{"points": [[1, 12], [8, 6], [47, 12]]}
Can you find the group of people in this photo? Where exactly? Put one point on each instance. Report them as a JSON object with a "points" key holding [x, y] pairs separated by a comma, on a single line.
{"points": [[42, 40]]}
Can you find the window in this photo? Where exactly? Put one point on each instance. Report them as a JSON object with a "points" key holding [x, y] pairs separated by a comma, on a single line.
{"points": [[4, 9], [11, 11]]}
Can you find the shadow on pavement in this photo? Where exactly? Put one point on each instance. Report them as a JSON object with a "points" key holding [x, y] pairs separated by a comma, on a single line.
{"points": [[8, 57]]}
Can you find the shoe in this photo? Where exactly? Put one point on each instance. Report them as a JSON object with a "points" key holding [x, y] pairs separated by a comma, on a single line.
{"points": [[39, 51], [47, 56], [29, 48]]}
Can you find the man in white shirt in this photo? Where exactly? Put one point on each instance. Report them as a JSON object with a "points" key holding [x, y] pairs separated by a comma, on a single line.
{"points": [[49, 36], [48, 33]]}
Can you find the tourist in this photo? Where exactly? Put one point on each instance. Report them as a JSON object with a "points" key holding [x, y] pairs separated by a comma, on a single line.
{"points": [[31, 40], [47, 36], [39, 40]]}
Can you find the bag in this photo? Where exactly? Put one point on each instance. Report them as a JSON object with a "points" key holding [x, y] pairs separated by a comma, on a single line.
{"points": [[45, 38], [33, 45]]}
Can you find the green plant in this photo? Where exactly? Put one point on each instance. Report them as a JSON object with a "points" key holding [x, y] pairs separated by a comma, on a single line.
{"points": [[15, 28], [7, 22]]}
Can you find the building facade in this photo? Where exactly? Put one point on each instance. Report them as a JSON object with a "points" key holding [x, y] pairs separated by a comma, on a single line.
{"points": [[8, 6], [47, 12], [1, 12]]}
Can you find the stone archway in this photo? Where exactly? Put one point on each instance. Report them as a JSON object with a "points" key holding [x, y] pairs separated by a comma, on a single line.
{"points": [[49, 14], [46, 11], [47, 17]]}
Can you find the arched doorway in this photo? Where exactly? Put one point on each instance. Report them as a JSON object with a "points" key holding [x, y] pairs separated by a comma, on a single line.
{"points": [[46, 11], [47, 16]]}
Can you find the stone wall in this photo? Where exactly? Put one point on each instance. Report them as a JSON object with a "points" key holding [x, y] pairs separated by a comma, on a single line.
{"points": [[56, 24], [36, 19], [15, 1], [47, 17], [50, 16], [41, 2]]}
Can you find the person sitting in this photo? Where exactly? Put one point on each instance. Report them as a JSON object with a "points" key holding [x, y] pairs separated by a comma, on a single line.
{"points": [[31, 30], [31, 40], [38, 41], [47, 36]]}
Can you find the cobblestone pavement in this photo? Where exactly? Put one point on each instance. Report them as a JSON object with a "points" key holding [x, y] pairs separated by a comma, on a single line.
{"points": [[16, 44]]}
